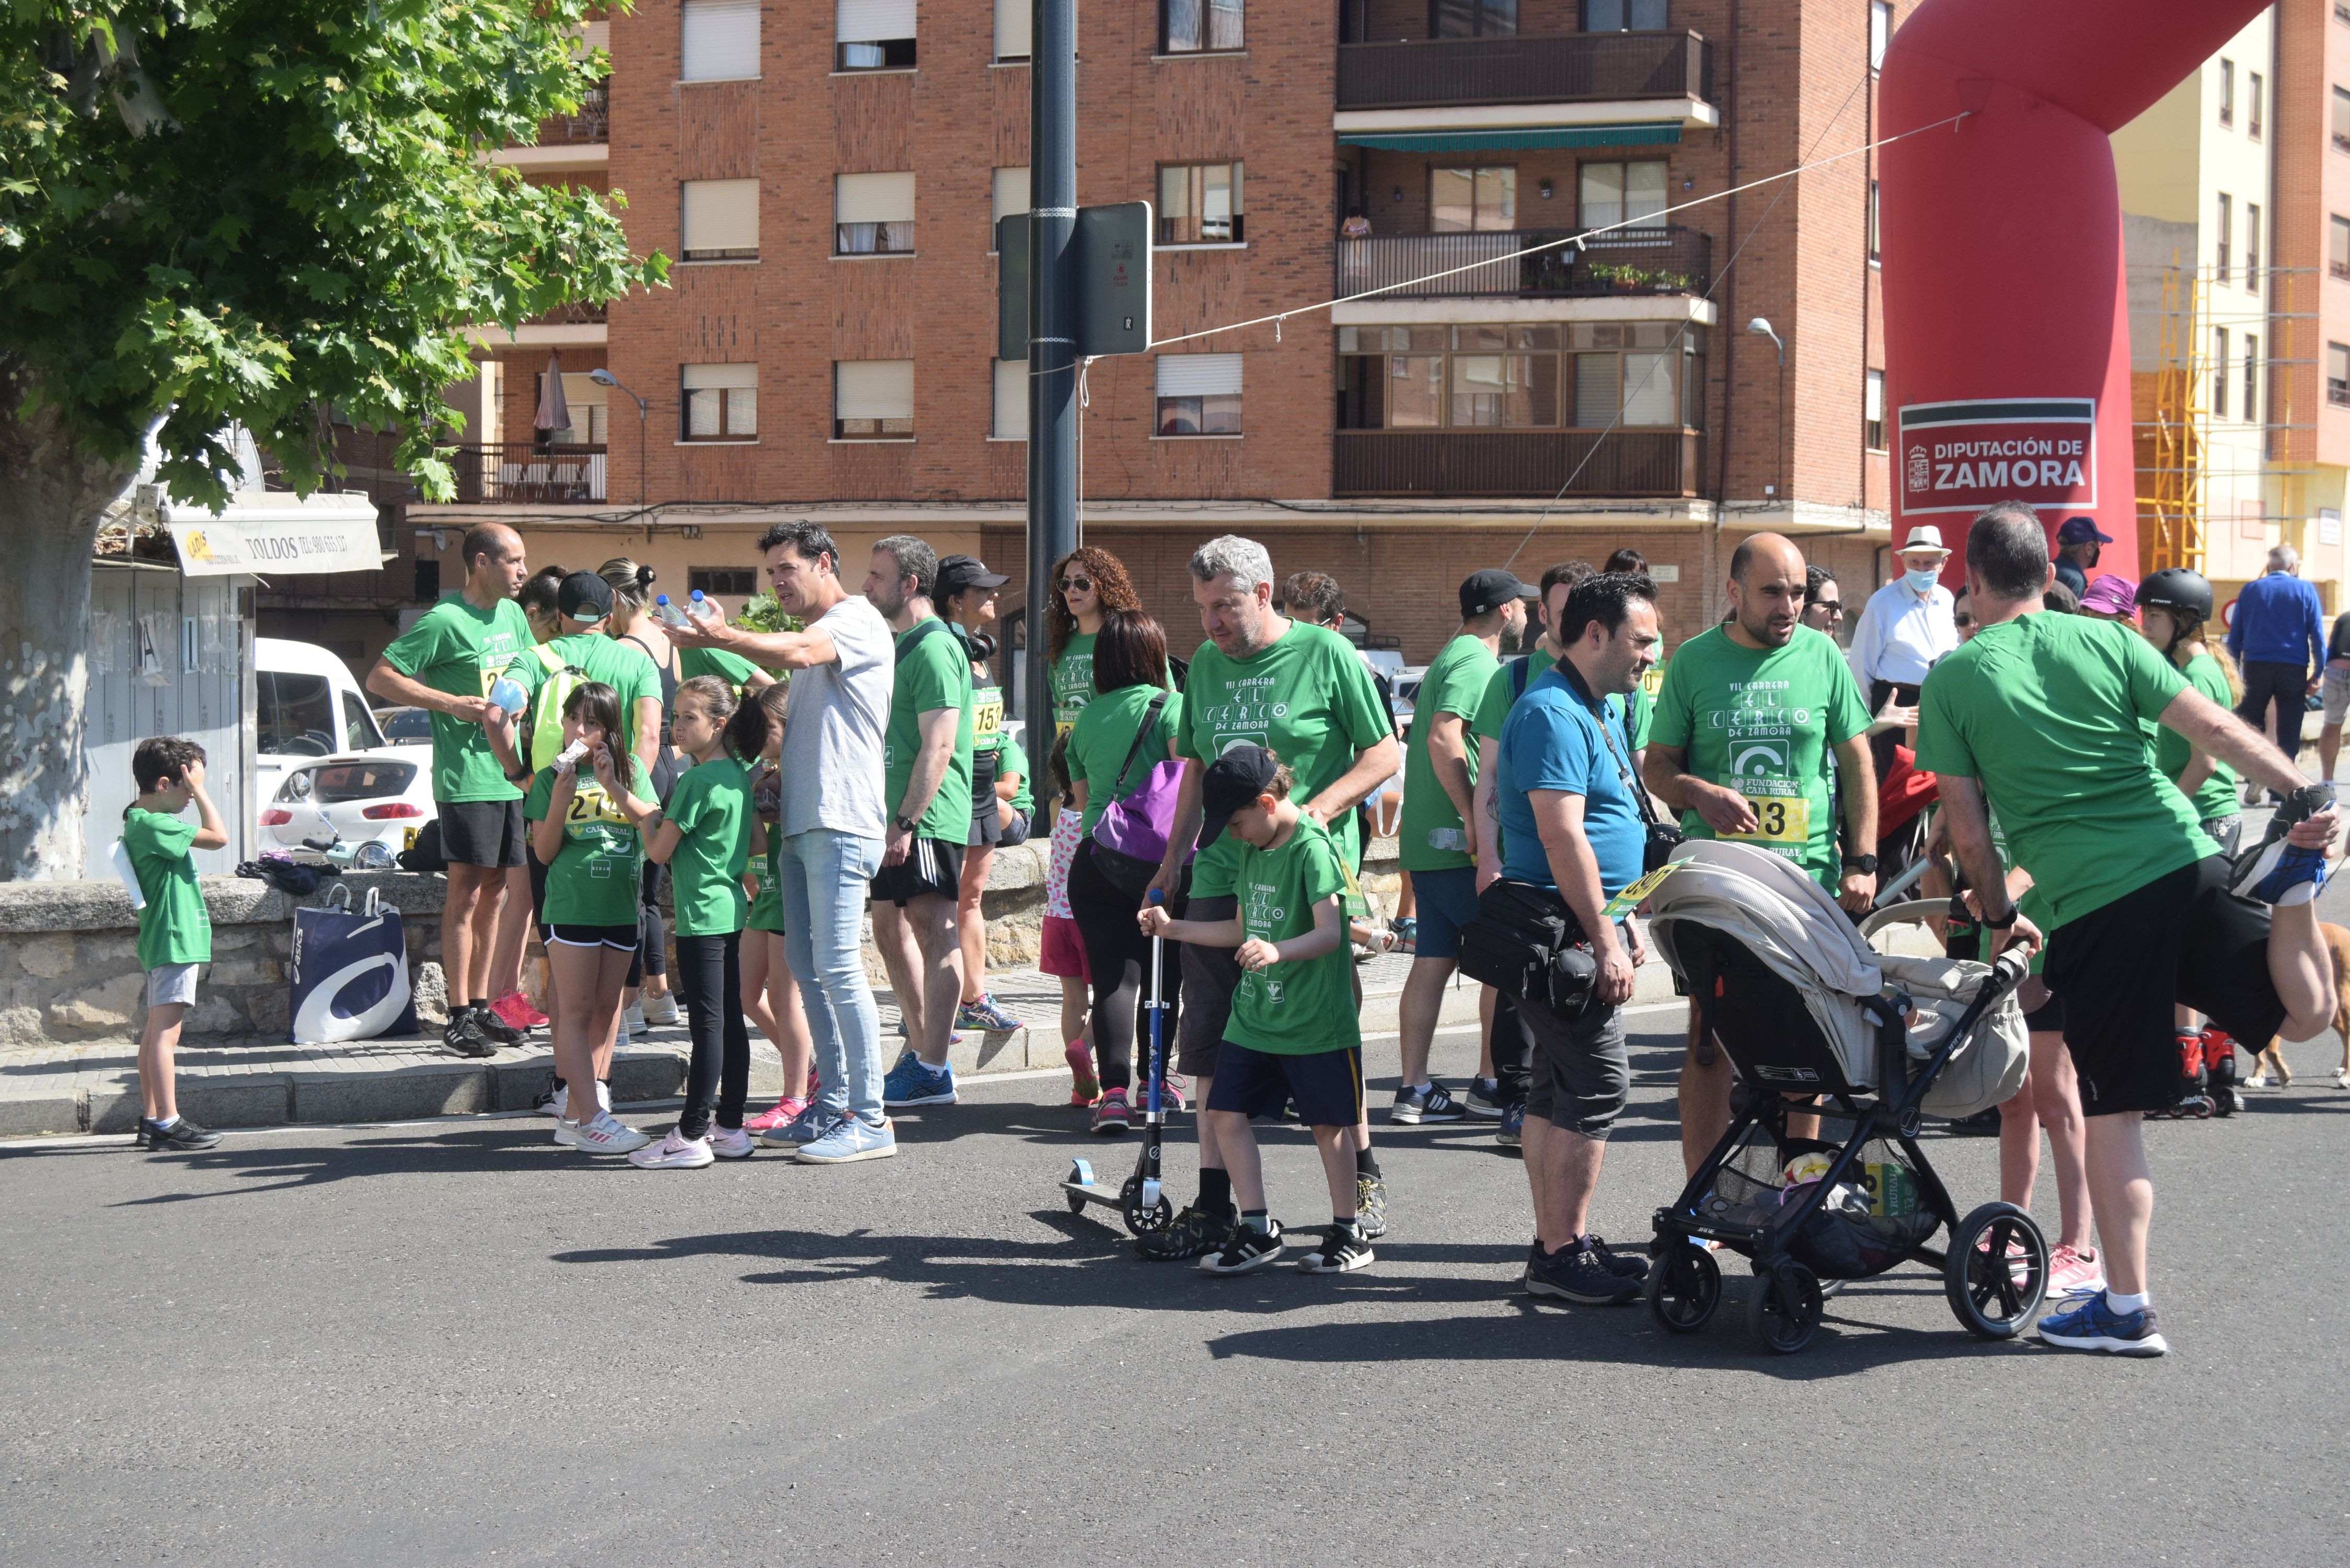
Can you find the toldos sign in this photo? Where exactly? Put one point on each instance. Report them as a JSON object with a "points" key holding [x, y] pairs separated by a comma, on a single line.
{"points": [[1962, 456]]}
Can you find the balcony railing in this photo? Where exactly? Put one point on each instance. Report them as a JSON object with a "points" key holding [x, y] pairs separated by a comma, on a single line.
{"points": [[1563, 68], [1488, 463], [1664, 260], [579, 313], [524, 472], [592, 123]]}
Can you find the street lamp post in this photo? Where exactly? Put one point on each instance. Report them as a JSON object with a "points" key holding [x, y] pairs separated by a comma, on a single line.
{"points": [[606, 378], [1761, 328]]}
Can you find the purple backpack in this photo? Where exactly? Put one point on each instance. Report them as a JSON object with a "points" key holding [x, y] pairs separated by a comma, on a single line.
{"points": [[1131, 838]]}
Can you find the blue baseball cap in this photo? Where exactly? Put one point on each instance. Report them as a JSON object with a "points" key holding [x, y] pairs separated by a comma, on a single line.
{"points": [[2080, 531]]}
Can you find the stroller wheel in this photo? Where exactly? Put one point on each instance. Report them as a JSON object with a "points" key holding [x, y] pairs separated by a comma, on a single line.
{"points": [[1684, 1287], [1783, 1311], [1996, 1271]]}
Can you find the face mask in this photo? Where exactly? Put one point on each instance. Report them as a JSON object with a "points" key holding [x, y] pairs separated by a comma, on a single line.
{"points": [[1921, 581]]}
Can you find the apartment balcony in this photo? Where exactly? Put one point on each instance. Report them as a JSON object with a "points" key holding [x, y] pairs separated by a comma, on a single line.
{"points": [[524, 473], [567, 144], [593, 122], [1665, 260], [1496, 463], [1575, 89]]}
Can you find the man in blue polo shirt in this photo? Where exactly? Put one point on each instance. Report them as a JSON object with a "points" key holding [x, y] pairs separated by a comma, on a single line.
{"points": [[1571, 824], [2277, 637]]}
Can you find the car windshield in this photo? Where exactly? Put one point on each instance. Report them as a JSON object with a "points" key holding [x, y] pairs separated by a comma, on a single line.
{"points": [[294, 715]]}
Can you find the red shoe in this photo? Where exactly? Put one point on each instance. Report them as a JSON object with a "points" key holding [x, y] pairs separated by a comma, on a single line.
{"points": [[516, 1009], [784, 1112], [1084, 1087]]}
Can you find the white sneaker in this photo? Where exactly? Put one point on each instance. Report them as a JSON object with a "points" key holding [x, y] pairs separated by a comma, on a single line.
{"points": [[675, 1152], [607, 1135], [567, 1134], [557, 1101], [603, 1095], [2257, 1081], [731, 1143], [634, 1018], [661, 1010]]}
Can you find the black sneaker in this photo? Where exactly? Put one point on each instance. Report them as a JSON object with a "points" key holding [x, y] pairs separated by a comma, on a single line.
{"points": [[1370, 1204], [1511, 1133], [1433, 1104], [179, 1138], [1485, 1099], [495, 1029], [1194, 1233], [1578, 1274], [464, 1036], [1617, 1264], [1343, 1250], [1245, 1249]]}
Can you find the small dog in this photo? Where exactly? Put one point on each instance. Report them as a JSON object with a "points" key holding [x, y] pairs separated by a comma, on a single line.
{"points": [[2272, 1060]]}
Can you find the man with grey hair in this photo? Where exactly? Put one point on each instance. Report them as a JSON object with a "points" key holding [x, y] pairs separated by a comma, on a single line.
{"points": [[1300, 692], [2278, 639]]}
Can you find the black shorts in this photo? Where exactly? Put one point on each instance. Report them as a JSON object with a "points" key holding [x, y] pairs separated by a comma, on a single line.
{"points": [[932, 865], [483, 833], [2108, 965], [1326, 1084], [620, 939], [1211, 975], [537, 889], [2048, 1018], [984, 829]]}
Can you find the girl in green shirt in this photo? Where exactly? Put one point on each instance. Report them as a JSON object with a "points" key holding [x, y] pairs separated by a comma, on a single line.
{"points": [[771, 996]]}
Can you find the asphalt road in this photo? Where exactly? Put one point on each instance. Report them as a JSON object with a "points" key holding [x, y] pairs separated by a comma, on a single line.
{"points": [[451, 1342]]}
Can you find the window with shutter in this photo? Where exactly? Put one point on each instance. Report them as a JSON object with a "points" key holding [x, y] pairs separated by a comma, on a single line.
{"points": [[718, 220], [873, 214], [873, 399], [873, 36], [1199, 394], [718, 40], [1011, 400], [1013, 27], [1010, 196], [1200, 204], [719, 402]]}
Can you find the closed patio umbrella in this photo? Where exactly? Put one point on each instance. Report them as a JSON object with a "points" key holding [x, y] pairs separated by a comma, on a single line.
{"points": [[554, 411]]}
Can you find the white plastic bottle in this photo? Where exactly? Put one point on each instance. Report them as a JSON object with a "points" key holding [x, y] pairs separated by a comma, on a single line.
{"points": [[667, 613], [704, 609]]}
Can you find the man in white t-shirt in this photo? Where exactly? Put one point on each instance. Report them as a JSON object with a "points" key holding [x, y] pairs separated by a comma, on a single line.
{"points": [[832, 823]]}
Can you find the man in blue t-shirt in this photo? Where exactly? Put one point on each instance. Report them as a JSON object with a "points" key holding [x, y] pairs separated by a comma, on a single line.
{"points": [[1571, 824], [2277, 637]]}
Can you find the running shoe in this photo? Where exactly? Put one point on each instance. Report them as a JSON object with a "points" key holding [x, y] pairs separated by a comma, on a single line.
{"points": [[1110, 1117], [552, 1101], [1244, 1249], [1578, 1274], [1622, 1267], [1084, 1087], [659, 1009], [1343, 1251], [464, 1036], [912, 1081], [181, 1137], [607, 1135], [1485, 1099], [2277, 872], [633, 1019], [1511, 1132], [516, 1009], [803, 1129], [1174, 1094], [849, 1140], [496, 1030], [1370, 1204], [1406, 933], [782, 1114], [731, 1143], [2072, 1272], [2088, 1323], [675, 1152], [1194, 1233], [567, 1134], [986, 1013], [1432, 1103]]}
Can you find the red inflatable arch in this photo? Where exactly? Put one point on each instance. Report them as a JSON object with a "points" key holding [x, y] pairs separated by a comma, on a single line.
{"points": [[2007, 344]]}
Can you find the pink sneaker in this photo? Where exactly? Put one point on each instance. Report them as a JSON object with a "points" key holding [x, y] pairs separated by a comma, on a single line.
{"points": [[1084, 1087], [1174, 1092], [786, 1111], [2071, 1272], [1110, 1116], [516, 1009]]}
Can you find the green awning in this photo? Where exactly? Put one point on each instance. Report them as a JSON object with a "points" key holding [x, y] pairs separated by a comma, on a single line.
{"points": [[1515, 137]]}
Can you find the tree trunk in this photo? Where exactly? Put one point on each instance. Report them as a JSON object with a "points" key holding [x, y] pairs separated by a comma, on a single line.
{"points": [[53, 496]]}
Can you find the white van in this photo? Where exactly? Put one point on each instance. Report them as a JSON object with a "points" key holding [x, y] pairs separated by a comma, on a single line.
{"points": [[306, 704]]}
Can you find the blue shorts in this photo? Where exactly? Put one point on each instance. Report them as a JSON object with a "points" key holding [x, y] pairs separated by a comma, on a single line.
{"points": [[1326, 1084], [1444, 901]]}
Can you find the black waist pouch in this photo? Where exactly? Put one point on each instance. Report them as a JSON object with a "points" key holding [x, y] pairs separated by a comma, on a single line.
{"points": [[1527, 944]]}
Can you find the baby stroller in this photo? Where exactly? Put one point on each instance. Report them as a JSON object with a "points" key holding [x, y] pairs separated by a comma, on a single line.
{"points": [[1841, 1052]]}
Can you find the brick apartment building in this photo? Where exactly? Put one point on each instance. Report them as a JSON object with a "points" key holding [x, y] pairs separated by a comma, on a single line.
{"points": [[825, 174]]}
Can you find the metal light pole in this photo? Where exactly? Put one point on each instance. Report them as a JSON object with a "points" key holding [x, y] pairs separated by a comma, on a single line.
{"points": [[606, 378], [1761, 328], [1052, 335]]}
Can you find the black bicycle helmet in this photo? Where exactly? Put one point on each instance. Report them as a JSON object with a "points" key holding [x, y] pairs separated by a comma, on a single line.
{"points": [[2176, 588]]}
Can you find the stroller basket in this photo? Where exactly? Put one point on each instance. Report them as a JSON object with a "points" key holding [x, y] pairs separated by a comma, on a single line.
{"points": [[1871, 1219]]}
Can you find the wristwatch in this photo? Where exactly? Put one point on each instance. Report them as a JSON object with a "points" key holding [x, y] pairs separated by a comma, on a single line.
{"points": [[1864, 864], [904, 824]]}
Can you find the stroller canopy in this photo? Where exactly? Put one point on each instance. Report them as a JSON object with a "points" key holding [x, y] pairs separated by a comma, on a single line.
{"points": [[1787, 918]]}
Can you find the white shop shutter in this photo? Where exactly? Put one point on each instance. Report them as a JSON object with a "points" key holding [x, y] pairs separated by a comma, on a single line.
{"points": [[694, 378], [1011, 400], [1198, 375], [1011, 193], [720, 215], [1013, 29], [718, 40], [873, 199], [871, 21], [873, 389]]}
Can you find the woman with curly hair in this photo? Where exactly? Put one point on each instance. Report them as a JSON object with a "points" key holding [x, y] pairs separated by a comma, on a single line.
{"points": [[1087, 583]]}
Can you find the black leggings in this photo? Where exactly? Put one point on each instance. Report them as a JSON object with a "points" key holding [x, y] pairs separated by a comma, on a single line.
{"points": [[709, 978], [652, 932], [1119, 954]]}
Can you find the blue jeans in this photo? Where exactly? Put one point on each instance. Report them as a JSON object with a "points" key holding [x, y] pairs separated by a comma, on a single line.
{"points": [[821, 879]]}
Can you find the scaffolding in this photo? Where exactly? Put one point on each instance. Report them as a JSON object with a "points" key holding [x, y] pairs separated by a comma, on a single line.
{"points": [[2172, 517]]}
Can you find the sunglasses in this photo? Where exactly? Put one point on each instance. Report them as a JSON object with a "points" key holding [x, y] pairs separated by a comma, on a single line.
{"points": [[1076, 584], [1830, 606], [1962, 620]]}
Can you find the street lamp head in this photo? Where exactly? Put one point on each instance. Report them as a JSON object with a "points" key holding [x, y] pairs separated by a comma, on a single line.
{"points": [[1759, 327], [606, 378]]}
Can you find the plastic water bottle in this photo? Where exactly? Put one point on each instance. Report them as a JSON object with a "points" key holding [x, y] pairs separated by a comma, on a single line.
{"points": [[1451, 838], [704, 609], [508, 694], [669, 614]]}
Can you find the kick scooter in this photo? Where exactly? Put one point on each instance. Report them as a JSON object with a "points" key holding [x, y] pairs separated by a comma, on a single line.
{"points": [[1141, 1199]]}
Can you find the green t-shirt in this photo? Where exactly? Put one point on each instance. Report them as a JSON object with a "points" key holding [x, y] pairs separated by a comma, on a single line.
{"points": [[1105, 731], [173, 927], [595, 877], [766, 909], [2215, 796], [1456, 683], [710, 807], [621, 666], [1073, 681], [1012, 762], [731, 667], [2043, 710], [1761, 720], [934, 672], [1307, 699], [458, 648], [1299, 1007]]}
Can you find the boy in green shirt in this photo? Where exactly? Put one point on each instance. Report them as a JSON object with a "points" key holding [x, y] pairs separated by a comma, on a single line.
{"points": [[1292, 1033], [175, 935]]}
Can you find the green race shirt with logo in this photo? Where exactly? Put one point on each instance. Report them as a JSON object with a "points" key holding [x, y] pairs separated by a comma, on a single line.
{"points": [[457, 647], [1300, 1006]]}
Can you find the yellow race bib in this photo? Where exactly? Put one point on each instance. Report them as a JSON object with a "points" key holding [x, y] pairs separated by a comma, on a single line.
{"points": [[1778, 818]]}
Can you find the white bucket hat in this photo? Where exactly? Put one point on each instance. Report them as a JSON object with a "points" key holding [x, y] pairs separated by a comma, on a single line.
{"points": [[1925, 537]]}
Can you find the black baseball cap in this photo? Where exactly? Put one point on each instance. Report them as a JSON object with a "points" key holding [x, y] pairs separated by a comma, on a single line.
{"points": [[585, 597], [2080, 531], [1487, 591], [1234, 780], [956, 572]]}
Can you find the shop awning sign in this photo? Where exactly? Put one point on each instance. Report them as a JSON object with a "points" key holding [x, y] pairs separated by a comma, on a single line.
{"points": [[291, 542], [1962, 456]]}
